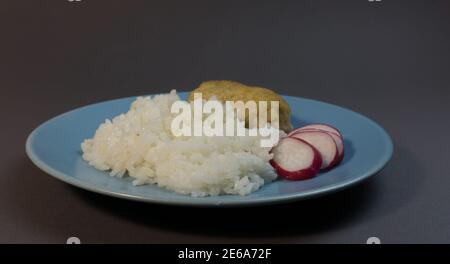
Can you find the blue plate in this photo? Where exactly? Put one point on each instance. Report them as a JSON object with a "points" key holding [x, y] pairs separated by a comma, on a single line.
{"points": [[55, 148]]}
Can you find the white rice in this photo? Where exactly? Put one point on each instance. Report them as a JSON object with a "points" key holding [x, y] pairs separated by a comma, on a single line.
{"points": [[140, 144]]}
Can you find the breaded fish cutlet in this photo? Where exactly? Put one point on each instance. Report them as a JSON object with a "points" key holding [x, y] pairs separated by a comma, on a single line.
{"points": [[235, 91]]}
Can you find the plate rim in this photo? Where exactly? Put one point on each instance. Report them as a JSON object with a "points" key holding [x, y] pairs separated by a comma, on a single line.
{"points": [[205, 202]]}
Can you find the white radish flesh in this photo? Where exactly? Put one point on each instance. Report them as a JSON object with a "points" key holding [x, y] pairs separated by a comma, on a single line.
{"points": [[339, 144], [324, 143], [295, 159], [337, 139]]}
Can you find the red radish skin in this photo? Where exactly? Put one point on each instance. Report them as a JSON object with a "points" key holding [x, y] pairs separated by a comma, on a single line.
{"points": [[304, 149], [324, 143]]}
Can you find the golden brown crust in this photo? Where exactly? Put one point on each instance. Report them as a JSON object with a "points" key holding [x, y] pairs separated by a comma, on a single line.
{"points": [[234, 91]]}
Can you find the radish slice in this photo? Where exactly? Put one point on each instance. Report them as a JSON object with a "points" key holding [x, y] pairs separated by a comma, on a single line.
{"points": [[337, 139], [295, 159], [323, 127], [334, 132], [340, 146], [324, 143]]}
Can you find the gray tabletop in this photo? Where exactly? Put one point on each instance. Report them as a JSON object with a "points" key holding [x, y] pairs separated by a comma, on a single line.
{"points": [[389, 60]]}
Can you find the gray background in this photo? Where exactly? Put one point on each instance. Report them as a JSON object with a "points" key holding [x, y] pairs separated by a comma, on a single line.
{"points": [[389, 60]]}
